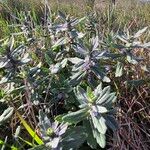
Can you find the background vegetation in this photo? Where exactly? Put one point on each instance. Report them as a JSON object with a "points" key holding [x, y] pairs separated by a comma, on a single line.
{"points": [[45, 77]]}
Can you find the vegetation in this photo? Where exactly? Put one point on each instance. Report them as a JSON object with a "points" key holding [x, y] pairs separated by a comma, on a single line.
{"points": [[72, 79]]}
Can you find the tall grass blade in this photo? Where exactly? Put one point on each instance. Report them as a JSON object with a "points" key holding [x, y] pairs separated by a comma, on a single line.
{"points": [[30, 131]]}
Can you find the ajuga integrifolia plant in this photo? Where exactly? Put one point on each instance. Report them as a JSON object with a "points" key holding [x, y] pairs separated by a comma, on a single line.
{"points": [[64, 77], [51, 132]]}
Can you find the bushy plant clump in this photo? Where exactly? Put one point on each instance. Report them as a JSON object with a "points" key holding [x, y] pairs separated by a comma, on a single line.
{"points": [[60, 80]]}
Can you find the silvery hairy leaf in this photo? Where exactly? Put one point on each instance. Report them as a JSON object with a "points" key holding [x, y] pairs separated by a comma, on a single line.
{"points": [[81, 50], [111, 122], [77, 78], [62, 15], [81, 95], [61, 41], [99, 123], [100, 74], [96, 54], [11, 43], [99, 109], [140, 32], [95, 43], [100, 138], [90, 138], [119, 69], [74, 138], [6, 115], [75, 60], [75, 117], [4, 62]]}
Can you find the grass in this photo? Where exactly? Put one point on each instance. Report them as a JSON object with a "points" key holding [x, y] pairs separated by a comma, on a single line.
{"points": [[127, 14]]}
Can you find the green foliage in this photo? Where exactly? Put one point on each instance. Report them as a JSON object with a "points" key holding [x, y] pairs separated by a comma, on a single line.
{"points": [[67, 69], [96, 107], [6, 115]]}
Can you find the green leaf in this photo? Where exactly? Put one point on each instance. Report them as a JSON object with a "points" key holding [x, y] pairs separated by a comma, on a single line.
{"points": [[119, 69], [90, 138], [111, 122], [98, 90], [100, 138], [6, 115], [25, 141], [59, 118], [11, 43], [90, 94], [107, 99], [81, 95], [101, 75], [77, 116], [99, 109], [131, 59], [99, 123], [4, 143], [103, 95], [140, 32], [73, 138], [61, 41], [48, 59], [14, 148]]}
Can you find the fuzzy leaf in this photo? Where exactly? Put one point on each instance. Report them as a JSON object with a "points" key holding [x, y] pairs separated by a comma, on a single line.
{"points": [[62, 15], [98, 90], [90, 138], [75, 60], [81, 95], [77, 77], [99, 123], [6, 115], [11, 43], [73, 138], [131, 59], [75, 117], [99, 109], [101, 75], [61, 41], [111, 122], [103, 95], [100, 138], [55, 68], [140, 32], [119, 69], [95, 42], [107, 100], [90, 94]]}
